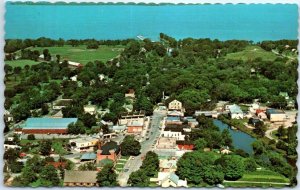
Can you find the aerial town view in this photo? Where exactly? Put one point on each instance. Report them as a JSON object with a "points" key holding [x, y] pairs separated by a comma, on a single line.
{"points": [[145, 95]]}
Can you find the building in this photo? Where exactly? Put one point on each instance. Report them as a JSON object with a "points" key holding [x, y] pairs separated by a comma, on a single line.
{"points": [[175, 131], [175, 113], [47, 125], [110, 150], [275, 115], [174, 120], [235, 112], [80, 178], [130, 94], [74, 65], [167, 165], [8, 117], [192, 122], [185, 145], [83, 143], [135, 127], [118, 128], [88, 157], [166, 143], [175, 105], [137, 116], [213, 114], [91, 109], [169, 179], [61, 103]]}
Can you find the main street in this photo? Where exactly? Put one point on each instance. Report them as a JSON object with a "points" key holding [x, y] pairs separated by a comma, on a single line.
{"points": [[134, 164]]}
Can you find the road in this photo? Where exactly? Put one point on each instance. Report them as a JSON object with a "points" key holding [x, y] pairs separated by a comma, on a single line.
{"points": [[134, 164]]}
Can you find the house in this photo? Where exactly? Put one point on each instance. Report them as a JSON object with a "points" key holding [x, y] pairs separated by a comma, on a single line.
{"points": [[130, 94], [185, 145], [110, 150], [175, 105], [275, 115], [8, 117], [284, 94], [47, 125], [254, 107], [175, 131], [91, 109], [88, 157], [126, 118], [80, 178], [235, 112], [192, 122], [135, 126], [175, 113], [11, 146], [61, 103], [167, 165], [166, 143], [74, 65], [83, 143], [73, 78], [169, 179], [225, 150], [173, 120]]}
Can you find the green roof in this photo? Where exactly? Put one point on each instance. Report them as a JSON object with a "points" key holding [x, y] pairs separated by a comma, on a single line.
{"points": [[48, 123]]}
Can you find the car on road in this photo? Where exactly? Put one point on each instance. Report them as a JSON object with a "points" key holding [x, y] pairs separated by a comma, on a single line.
{"points": [[147, 138], [126, 170], [132, 158]]}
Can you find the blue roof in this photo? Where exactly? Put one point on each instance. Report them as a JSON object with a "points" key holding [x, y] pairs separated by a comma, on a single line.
{"points": [[274, 111], [88, 156], [174, 178], [173, 118], [235, 109], [48, 123]]}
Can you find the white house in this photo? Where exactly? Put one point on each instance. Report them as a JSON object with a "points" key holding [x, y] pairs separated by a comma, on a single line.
{"points": [[167, 179], [235, 112], [173, 134], [91, 109], [175, 105], [74, 78], [83, 143]]}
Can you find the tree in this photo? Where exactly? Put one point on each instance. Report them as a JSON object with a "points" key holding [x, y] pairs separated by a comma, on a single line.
{"points": [[150, 164], [232, 166], [77, 128], [10, 155], [45, 109], [258, 147], [139, 178], [226, 136], [250, 165], [31, 137], [49, 173], [107, 177], [87, 167], [200, 144], [213, 175], [45, 147], [130, 146], [88, 120]]}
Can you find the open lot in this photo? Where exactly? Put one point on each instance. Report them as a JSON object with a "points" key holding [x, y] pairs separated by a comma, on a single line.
{"points": [[21, 63], [251, 53], [81, 54]]}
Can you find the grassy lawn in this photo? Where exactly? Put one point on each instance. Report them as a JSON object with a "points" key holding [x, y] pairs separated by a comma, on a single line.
{"points": [[251, 53], [58, 148], [81, 54], [262, 178], [21, 63]]}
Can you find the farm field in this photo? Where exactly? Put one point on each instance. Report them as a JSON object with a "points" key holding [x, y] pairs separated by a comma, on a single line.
{"points": [[262, 178], [81, 54], [21, 63], [251, 53]]}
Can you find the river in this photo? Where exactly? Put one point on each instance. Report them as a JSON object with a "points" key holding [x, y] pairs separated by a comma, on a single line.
{"points": [[240, 139], [256, 22]]}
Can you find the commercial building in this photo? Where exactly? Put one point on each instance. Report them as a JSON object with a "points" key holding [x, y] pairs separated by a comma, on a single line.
{"points": [[275, 115], [235, 112], [135, 126], [47, 125], [83, 143], [110, 150], [80, 178]]}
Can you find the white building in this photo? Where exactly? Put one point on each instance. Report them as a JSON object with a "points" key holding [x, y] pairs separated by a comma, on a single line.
{"points": [[83, 143], [91, 109], [169, 179], [235, 112], [175, 105], [173, 134]]}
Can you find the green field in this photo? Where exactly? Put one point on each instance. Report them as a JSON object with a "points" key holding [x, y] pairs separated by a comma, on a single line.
{"points": [[251, 53], [81, 54], [21, 63], [262, 178]]}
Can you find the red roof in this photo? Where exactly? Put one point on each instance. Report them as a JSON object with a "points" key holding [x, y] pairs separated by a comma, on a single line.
{"points": [[57, 164], [259, 111]]}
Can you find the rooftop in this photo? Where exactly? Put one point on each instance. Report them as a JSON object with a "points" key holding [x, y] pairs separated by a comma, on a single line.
{"points": [[48, 123], [235, 109], [89, 156], [73, 176], [274, 111]]}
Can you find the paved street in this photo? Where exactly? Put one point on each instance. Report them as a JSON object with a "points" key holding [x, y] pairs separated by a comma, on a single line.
{"points": [[134, 164]]}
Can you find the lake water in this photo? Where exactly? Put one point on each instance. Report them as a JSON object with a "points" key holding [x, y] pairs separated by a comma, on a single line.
{"points": [[224, 22], [240, 139]]}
